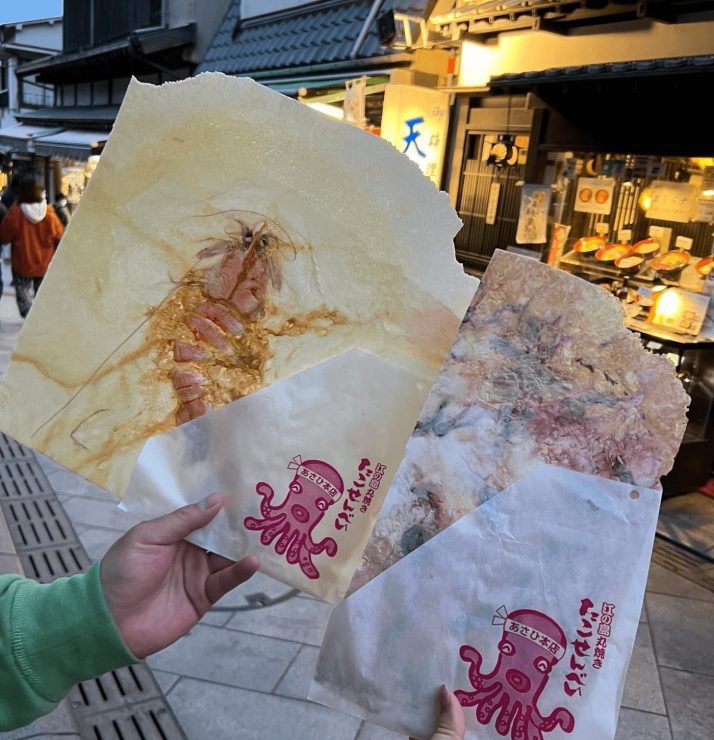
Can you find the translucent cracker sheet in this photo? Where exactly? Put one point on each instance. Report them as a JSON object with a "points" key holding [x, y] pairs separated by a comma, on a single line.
{"points": [[230, 237], [542, 369], [527, 607]]}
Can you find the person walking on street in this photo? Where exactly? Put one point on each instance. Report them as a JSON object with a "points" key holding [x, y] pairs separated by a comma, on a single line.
{"points": [[61, 209], [3, 213], [33, 232]]}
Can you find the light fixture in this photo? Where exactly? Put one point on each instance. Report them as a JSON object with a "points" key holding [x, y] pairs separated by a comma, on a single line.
{"points": [[667, 305], [645, 200]]}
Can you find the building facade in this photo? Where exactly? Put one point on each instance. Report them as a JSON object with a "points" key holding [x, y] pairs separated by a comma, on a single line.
{"points": [[105, 44]]}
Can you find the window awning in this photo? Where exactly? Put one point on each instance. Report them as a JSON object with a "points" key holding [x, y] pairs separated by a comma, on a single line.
{"points": [[70, 143], [21, 138]]}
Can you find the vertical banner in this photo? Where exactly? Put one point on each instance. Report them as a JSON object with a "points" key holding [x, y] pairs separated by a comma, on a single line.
{"points": [[416, 119], [557, 243], [533, 216]]}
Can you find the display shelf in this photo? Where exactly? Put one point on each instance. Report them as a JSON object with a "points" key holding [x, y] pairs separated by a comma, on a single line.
{"points": [[688, 279]]}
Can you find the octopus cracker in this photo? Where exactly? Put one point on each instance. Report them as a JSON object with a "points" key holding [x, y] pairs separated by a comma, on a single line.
{"points": [[542, 369], [200, 274]]}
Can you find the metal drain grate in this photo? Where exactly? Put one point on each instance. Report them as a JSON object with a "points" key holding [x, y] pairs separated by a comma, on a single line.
{"points": [[683, 562], [126, 704]]}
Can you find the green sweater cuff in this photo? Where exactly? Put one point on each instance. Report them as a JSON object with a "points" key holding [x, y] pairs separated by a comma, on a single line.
{"points": [[63, 633]]}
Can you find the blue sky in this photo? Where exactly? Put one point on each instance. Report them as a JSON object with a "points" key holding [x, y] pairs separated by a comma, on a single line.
{"points": [[26, 10]]}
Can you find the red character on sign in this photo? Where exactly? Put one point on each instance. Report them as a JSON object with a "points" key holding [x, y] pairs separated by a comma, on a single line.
{"points": [[522, 670], [315, 487]]}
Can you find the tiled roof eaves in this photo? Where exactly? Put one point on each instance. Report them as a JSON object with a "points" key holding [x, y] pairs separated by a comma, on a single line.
{"points": [[611, 70], [314, 34]]}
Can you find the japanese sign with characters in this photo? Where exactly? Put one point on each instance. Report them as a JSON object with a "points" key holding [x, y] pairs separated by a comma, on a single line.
{"points": [[416, 120], [524, 614]]}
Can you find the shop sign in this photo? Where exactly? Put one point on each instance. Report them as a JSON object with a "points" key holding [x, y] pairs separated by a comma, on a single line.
{"points": [[594, 195], [533, 216], [672, 201], [415, 120]]}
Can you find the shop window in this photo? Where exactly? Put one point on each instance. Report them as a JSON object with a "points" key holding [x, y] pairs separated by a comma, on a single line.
{"points": [[119, 87], [68, 95], [100, 93], [84, 93], [676, 184]]}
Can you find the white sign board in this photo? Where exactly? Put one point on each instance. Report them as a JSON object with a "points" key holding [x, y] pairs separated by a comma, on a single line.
{"points": [[533, 216], [416, 119], [672, 201], [594, 195]]}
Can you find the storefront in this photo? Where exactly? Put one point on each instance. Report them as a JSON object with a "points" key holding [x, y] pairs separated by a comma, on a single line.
{"points": [[585, 147], [339, 58], [61, 159]]}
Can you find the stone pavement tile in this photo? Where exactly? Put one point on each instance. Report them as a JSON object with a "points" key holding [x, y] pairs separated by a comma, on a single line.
{"points": [[642, 687], [690, 704], [216, 619], [9, 564], [634, 725], [207, 710], [663, 581], [98, 514], [296, 682], [166, 680], [682, 632], [59, 721], [259, 583], [303, 620], [97, 541], [7, 546], [66, 482], [228, 657], [375, 732]]}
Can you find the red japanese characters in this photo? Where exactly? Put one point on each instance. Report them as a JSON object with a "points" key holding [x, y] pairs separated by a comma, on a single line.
{"points": [[315, 487], [531, 644]]}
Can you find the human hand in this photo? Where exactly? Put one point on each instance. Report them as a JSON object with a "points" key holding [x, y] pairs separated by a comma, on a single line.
{"points": [[451, 718], [157, 585]]}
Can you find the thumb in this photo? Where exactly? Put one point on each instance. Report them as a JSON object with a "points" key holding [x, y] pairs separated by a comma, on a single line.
{"points": [[176, 526], [451, 719]]}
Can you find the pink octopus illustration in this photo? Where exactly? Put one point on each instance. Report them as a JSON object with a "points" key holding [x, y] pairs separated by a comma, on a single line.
{"points": [[315, 487], [531, 645]]}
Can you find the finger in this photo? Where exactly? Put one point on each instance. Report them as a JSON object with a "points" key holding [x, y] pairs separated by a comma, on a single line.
{"points": [[218, 584], [218, 562], [174, 527], [451, 719]]}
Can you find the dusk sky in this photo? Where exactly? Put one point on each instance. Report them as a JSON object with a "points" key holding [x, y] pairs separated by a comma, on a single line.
{"points": [[26, 10]]}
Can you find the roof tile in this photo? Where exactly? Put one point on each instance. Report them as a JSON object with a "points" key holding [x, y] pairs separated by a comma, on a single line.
{"points": [[320, 32]]}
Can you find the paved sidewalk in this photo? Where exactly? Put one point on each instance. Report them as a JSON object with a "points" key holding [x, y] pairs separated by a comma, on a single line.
{"points": [[246, 674]]}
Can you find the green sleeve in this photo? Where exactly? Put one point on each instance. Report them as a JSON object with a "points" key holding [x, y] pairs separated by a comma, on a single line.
{"points": [[52, 636]]}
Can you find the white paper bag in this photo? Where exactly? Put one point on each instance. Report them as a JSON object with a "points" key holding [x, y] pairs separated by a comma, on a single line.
{"points": [[305, 462], [528, 607]]}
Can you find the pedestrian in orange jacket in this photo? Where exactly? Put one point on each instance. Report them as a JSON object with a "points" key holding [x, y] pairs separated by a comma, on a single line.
{"points": [[33, 231]]}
